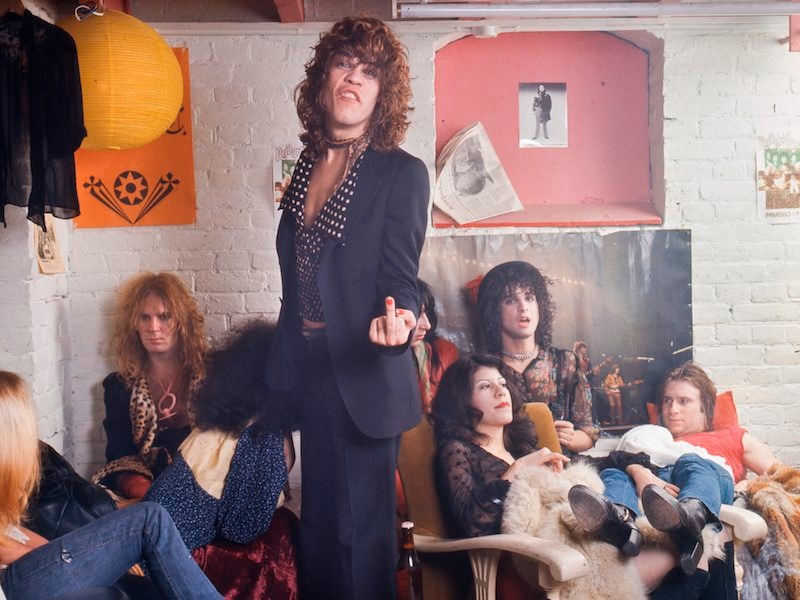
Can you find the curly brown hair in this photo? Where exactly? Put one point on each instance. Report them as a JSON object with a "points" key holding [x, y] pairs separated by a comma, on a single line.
{"points": [[370, 41], [192, 344], [496, 285]]}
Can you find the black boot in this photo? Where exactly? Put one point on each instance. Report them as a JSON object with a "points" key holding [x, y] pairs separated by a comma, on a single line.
{"points": [[684, 520], [612, 523]]}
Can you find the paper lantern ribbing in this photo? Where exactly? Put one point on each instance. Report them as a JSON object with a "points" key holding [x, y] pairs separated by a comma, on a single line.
{"points": [[131, 80]]}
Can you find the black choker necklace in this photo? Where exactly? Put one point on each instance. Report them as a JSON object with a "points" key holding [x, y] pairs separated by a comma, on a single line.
{"points": [[515, 356]]}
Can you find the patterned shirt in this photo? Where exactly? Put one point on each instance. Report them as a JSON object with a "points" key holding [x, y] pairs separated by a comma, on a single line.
{"points": [[553, 378], [308, 241]]}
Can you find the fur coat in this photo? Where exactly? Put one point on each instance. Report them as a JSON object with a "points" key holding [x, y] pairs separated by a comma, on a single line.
{"points": [[776, 497], [537, 504]]}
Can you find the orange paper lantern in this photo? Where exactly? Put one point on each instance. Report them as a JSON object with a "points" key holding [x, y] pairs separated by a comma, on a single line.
{"points": [[131, 80]]}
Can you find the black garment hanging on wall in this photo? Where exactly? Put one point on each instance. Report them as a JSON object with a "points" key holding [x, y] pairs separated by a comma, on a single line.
{"points": [[41, 117]]}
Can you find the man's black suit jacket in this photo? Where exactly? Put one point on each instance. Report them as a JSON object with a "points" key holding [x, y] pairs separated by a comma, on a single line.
{"points": [[377, 256]]}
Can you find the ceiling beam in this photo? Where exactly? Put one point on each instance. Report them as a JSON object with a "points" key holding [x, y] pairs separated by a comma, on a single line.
{"points": [[290, 11]]}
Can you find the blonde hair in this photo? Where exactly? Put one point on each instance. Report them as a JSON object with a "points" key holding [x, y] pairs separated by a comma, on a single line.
{"points": [[19, 450], [192, 344]]}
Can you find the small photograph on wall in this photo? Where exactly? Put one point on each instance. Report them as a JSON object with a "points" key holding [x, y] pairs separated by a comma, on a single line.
{"points": [[285, 155], [48, 250], [542, 115], [778, 164], [622, 305]]}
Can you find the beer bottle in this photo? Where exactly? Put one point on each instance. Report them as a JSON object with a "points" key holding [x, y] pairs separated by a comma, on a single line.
{"points": [[409, 569]]}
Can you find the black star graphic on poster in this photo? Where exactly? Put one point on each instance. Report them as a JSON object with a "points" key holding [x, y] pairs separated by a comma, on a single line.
{"points": [[130, 188]]}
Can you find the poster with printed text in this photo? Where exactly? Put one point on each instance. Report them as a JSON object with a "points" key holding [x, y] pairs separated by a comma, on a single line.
{"points": [[778, 179], [284, 157], [151, 185]]}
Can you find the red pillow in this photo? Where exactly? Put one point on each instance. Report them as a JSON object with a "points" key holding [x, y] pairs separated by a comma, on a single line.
{"points": [[725, 415]]}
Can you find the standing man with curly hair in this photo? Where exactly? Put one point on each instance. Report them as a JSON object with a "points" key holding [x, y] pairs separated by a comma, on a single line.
{"points": [[349, 240]]}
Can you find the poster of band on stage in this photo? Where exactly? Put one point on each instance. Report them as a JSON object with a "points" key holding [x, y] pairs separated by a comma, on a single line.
{"points": [[626, 295]]}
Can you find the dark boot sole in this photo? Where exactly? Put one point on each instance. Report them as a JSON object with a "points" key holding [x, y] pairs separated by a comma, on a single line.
{"points": [[662, 510], [590, 510], [594, 515]]}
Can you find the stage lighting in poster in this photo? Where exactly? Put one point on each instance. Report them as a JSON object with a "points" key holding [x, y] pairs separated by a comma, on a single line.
{"points": [[543, 115], [623, 302], [778, 187]]}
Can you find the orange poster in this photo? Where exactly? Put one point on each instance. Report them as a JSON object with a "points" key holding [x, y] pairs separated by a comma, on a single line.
{"points": [[151, 185]]}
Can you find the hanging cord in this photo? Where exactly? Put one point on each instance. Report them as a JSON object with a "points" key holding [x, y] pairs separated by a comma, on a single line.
{"points": [[84, 11]]}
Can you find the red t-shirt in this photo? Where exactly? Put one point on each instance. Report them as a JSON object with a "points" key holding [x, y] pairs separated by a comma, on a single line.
{"points": [[726, 443]]}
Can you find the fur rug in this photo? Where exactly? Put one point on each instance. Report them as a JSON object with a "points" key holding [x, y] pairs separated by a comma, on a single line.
{"points": [[776, 497], [537, 504]]}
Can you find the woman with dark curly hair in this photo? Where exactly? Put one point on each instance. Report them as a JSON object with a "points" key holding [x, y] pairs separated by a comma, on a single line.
{"points": [[484, 437], [160, 348], [516, 313], [349, 240], [229, 473]]}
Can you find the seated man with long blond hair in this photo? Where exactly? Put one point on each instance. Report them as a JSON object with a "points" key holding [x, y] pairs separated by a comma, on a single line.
{"points": [[160, 349]]}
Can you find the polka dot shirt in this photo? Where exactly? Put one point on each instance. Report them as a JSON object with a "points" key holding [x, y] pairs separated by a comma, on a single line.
{"points": [[308, 241]]}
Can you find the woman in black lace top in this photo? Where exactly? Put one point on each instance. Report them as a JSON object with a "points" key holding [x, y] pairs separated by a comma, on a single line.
{"points": [[483, 439]]}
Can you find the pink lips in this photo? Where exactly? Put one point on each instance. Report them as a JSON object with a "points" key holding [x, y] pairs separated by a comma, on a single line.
{"points": [[503, 404]]}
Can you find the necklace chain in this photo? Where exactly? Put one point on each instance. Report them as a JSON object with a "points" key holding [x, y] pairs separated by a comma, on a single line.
{"points": [[515, 356]]}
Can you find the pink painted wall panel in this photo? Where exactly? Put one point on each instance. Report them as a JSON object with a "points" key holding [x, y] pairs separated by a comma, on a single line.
{"points": [[607, 158]]}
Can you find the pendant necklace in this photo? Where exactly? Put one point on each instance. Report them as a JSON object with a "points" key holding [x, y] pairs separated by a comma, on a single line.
{"points": [[166, 404]]}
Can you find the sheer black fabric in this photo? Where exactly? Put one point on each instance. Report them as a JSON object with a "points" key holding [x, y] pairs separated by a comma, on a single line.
{"points": [[472, 493], [41, 117]]}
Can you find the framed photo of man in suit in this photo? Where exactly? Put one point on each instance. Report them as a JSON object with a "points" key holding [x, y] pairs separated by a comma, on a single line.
{"points": [[543, 115]]}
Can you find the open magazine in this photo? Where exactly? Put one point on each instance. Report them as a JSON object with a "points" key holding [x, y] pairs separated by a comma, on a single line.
{"points": [[471, 184]]}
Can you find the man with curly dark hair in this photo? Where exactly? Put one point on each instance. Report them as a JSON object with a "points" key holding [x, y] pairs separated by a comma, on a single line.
{"points": [[516, 312], [349, 240]]}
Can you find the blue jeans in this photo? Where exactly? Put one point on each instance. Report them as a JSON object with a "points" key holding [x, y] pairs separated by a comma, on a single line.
{"points": [[696, 477], [99, 553]]}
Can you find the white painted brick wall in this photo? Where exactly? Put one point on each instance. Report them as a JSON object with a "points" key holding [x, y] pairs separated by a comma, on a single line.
{"points": [[722, 89]]}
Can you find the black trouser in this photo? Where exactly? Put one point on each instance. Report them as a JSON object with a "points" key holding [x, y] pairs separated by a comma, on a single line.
{"points": [[347, 516]]}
